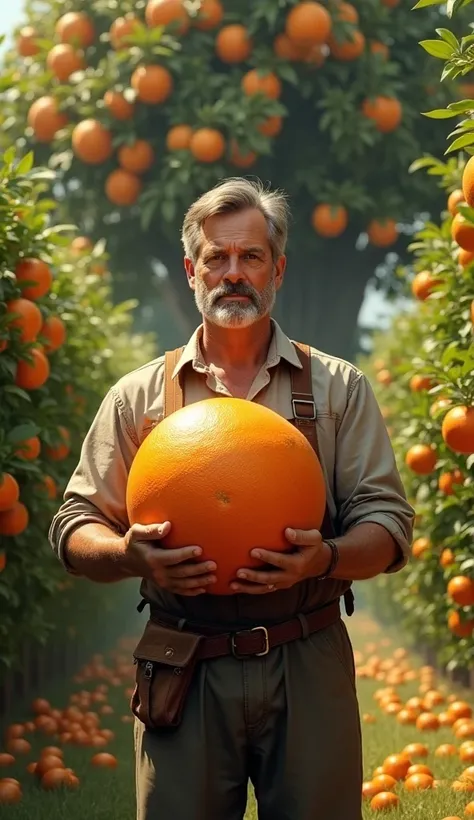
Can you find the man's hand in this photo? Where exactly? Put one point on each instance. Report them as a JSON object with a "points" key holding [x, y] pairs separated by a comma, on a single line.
{"points": [[176, 570], [310, 558]]}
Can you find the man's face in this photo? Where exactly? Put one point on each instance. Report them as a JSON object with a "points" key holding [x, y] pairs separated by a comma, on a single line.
{"points": [[235, 278]]}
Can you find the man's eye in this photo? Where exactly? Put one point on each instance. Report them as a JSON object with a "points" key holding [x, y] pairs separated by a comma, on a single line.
{"points": [[251, 256]]}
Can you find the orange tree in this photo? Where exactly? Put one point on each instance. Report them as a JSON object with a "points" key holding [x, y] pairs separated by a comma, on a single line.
{"points": [[62, 343], [142, 105], [423, 370]]}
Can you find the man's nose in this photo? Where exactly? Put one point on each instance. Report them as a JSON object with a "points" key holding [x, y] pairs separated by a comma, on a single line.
{"points": [[234, 269]]}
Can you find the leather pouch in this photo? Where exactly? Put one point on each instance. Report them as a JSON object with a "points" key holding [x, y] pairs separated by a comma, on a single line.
{"points": [[166, 661]]}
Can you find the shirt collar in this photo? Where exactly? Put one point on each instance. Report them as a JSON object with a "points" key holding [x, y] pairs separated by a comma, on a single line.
{"points": [[281, 347]]}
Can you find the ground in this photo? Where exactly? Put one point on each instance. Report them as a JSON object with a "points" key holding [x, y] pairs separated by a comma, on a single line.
{"points": [[103, 794]]}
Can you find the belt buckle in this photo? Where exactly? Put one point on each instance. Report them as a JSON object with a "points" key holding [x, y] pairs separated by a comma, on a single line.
{"points": [[255, 654]]}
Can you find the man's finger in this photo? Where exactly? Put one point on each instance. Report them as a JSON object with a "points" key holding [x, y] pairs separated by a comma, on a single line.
{"points": [[268, 577], [284, 560], [192, 570], [193, 583], [150, 532], [251, 589], [170, 557], [303, 538]]}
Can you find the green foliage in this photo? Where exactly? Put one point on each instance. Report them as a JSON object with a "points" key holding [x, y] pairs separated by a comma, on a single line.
{"points": [[99, 348], [328, 149]]}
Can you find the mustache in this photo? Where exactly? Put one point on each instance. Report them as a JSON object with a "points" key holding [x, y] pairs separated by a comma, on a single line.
{"points": [[237, 289]]}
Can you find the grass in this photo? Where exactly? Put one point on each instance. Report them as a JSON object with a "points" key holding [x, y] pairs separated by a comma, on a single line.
{"points": [[109, 794]]}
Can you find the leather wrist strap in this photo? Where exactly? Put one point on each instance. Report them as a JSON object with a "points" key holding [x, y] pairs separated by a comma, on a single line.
{"points": [[334, 560]]}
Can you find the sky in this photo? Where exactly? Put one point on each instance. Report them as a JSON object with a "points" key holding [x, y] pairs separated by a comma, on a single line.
{"points": [[375, 311]]}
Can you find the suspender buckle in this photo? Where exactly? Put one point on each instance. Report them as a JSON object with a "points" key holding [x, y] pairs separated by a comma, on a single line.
{"points": [[304, 416]]}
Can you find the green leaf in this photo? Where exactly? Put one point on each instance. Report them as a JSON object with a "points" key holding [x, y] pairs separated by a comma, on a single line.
{"points": [[22, 432], [25, 164], [437, 48], [423, 4], [461, 142], [440, 114], [448, 37]]}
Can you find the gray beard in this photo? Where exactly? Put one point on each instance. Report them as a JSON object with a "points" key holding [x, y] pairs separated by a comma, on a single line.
{"points": [[234, 314]]}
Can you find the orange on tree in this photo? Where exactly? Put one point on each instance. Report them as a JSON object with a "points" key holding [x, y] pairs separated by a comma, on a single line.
{"points": [[421, 459], [348, 49], [81, 244], [419, 383], [153, 84], [421, 546], [31, 375], [223, 435], [423, 285], [461, 590], [465, 258], [121, 30], [26, 42], [382, 233], [60, 451], [329, 220], [454, 199], [468, 182], [207, 145], [29, 449], [136, 157], [239, 159], [9, 491], [28, 318], [118, 106], [462, 232], [92, 142], [384, 376], [447, 481], [75, 28], [211, 13], [271, 127], [122, 187], [308, 23], [233, 43], [13, 522], [45, 118], [167, 12], [347, 12], [447, 558], [255, 82], [386, 113], [457, 429], [38, 274], [377, 47], [54, 333], [63, 60], [179, 137]]}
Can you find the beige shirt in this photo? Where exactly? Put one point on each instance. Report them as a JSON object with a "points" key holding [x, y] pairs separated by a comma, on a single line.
{"points": [[363, 483]]}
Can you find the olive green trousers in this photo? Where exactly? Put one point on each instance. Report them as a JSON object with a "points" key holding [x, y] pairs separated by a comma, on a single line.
{"points": [[287, 722]]}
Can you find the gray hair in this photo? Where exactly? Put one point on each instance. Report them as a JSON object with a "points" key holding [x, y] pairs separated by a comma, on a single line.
{"points": [[237, 194]]}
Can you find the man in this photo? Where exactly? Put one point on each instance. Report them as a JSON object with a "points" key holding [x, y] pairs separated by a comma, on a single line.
{"points": [[285, 717]]}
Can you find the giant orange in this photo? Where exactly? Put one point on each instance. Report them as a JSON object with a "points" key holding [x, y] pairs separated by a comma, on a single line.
{"points": [[230, 475]]}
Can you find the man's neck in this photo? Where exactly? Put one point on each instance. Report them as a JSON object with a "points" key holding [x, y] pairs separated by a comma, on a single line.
{"points": [[236, 348]]}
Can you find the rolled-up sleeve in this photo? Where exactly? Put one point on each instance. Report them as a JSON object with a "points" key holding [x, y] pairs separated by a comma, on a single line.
{"points": [[97, 489], [367, 482]]}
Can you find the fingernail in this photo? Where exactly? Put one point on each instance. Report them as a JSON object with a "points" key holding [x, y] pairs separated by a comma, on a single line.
{"points": [[197, 551], [241, 575], [256, 554], [291, 533], [234, 586]]}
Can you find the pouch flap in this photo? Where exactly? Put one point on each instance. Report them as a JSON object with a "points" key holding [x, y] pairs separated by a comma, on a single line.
{"points": [[172, 647]]}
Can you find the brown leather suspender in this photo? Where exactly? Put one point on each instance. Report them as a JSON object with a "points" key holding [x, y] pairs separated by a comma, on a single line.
{"points": [[174, 391]]}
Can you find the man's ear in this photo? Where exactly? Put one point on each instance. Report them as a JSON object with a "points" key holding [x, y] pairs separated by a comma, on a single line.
{"points": [[190, 272]]}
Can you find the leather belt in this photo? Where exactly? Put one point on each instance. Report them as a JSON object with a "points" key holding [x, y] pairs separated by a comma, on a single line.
{"points": [[260, 640]]}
